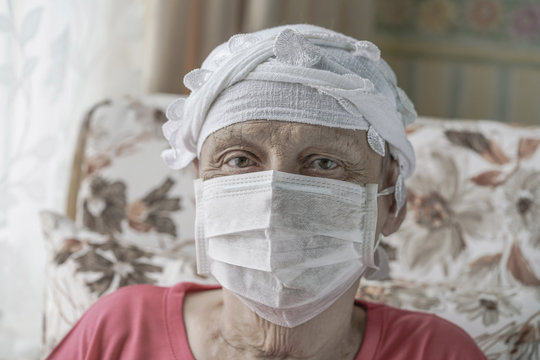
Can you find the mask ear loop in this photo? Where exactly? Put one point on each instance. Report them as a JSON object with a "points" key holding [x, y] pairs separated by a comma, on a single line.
{"points": [[371, 246], [399, 193], [389, 190], [381, 269]]}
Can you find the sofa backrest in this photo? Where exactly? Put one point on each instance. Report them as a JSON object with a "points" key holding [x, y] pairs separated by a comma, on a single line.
{"points": [[469, 249]]}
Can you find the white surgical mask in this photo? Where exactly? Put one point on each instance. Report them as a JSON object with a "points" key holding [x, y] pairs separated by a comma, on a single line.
{"points": [[287, 245]]}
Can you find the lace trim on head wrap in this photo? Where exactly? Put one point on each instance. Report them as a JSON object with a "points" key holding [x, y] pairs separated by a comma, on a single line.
{"points": [[345, 69], [195, 79], [241, 42], [293, 49], [375, 141]]}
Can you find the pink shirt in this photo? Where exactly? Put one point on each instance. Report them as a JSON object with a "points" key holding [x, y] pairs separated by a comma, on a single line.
{"points": [[145, 322]]}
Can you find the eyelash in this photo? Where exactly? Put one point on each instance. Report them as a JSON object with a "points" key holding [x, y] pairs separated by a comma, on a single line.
{"points": [[239, 155]]}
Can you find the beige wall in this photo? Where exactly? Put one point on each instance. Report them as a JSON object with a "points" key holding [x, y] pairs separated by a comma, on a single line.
{"points": [[475, 59], [466, 83], [181, 33], [451, 61]]}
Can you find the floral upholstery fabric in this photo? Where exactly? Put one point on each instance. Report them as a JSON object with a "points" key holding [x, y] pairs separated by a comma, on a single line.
{"points": [[468, 251], [134, 216]]}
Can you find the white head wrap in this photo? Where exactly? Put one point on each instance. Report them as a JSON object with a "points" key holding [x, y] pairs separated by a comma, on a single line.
{"points": [[297, 73]]}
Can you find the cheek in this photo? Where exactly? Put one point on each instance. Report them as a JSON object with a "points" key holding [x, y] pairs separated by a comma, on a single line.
{"points": [[383, 206]]}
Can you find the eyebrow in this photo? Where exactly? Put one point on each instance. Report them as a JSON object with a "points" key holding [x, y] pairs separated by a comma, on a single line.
{"points": [[230, 139]]}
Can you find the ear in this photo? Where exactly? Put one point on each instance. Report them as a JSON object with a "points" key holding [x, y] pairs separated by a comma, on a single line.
{"points": [[392, 222], [195, 163]]}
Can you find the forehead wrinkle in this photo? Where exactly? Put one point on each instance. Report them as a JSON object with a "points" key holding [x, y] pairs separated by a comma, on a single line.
{"points": [[352, 145], [232, 135], [349, 145], [284, 136]]}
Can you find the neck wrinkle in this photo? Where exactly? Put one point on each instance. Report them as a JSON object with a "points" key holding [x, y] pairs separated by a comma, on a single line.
{"points": [[248, 333]]}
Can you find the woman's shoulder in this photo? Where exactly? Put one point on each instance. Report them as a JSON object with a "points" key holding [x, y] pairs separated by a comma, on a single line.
{"points": [[128, 321], [128, 305], [132, 293], [142, 294], [421, 335], [126, 299], [406, 319]]}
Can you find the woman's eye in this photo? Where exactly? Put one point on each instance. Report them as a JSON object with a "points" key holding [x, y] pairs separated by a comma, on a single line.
{"points": [[324, 164], [240, 162]]}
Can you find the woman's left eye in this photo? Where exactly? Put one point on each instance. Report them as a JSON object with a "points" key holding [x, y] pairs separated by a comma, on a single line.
{"points": [[324, 164], [240, 162]]}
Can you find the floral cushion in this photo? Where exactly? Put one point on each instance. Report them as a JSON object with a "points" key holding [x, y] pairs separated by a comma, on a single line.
{"points": [[134, 216], [86, 264], [469, 249]]}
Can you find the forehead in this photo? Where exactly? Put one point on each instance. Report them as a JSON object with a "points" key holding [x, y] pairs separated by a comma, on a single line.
{"points": [[290, 135]]}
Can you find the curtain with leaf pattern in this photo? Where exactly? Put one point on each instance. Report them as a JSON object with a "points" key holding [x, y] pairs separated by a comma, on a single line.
{"points": [[57, 58]]}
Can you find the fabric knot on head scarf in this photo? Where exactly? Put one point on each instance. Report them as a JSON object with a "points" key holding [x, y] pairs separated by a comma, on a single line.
{"points": [[295, 73]]}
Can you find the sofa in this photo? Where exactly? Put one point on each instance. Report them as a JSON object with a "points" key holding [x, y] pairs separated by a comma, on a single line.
{"points": [[468, 250]]}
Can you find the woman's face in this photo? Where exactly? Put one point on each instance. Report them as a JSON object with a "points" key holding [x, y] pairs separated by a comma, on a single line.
{"points": [[297, 148]]}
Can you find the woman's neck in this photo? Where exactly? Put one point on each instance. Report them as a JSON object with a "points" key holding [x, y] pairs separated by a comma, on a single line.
{"points": [[339, 328]]}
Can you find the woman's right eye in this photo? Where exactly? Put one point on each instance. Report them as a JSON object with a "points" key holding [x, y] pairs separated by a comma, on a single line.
{"points": [[324, 164], [240, 162]]}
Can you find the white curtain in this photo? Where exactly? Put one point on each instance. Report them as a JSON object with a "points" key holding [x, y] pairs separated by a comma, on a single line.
{"points": [[57, 58], [60, 57]]}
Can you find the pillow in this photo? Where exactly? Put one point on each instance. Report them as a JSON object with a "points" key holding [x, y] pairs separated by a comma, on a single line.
{"points": [[134, 217], [84, 265], [469, 248]]}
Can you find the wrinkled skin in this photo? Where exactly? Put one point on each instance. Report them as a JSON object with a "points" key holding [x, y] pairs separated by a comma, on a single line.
{"points": [[218, 324]]}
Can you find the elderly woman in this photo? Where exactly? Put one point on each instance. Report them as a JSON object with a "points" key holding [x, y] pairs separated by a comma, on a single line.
{"points": [[298, 137]]}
